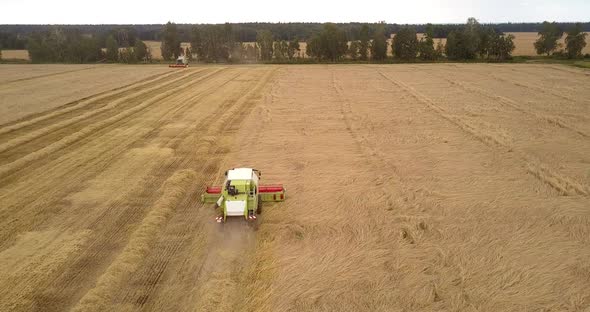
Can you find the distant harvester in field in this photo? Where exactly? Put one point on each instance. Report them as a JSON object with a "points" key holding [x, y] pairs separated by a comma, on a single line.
{"points": [[181, 62]]}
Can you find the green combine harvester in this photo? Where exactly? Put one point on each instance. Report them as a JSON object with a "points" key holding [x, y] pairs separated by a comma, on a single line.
{"points": [[242, 195]]}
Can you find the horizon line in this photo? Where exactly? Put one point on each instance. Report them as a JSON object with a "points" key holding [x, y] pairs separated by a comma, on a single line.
{"points": [[259, 22]]}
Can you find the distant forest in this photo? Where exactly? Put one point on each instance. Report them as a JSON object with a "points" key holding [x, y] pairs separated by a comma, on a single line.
{"points": [[15, 36]]}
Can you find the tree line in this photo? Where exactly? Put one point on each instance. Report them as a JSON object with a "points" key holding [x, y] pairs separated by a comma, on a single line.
{"points": [[470, 41], [220, 43], [72, 46], [550, 33], [15, 36], [330, 43]]}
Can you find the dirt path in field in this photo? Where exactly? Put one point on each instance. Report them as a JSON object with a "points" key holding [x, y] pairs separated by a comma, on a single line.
{"points": [[451, 187]]}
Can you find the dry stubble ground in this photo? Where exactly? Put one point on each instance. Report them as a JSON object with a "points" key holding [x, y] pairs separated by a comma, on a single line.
{"points": [[446, 187]]}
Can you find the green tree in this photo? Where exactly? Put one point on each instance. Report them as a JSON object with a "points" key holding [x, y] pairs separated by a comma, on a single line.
{"points": [[440, 49], [292, 48], [188, 53], [112, 53], [330, 44], [237, 52], [379, 43], [364, 42], [38, 50], [465, 43], [63, 46], [230, 45], [455, 47], [405, 44], [426, 45], [473, 37], [281, 49], [314, 48], [353, 49], [487, 38], [141, 51], [575, 41], [122, 36], [500, 47], [334, 42], [127, 55], [196, 42], [251, 53], [170, 47], [264, 39], [88, 50], [214, 45], [548, 36]]}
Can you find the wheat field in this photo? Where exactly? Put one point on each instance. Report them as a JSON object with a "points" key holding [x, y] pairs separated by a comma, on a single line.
{"points": [[431, 187]]}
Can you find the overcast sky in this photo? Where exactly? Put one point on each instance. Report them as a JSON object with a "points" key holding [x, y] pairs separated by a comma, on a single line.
{"points": [[391, 11]]}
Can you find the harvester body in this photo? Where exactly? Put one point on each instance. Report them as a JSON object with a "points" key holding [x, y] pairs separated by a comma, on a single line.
{"points": [[181, 62], [241, 194]]}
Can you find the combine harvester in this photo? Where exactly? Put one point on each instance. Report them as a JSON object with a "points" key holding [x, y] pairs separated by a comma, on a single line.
{"points": [[241, 194], [181, 62]]}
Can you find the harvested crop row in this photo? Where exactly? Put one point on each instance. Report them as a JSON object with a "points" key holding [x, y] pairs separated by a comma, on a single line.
{"points": [[564, 185], [425, 194], [16, 165], [79, 104]]}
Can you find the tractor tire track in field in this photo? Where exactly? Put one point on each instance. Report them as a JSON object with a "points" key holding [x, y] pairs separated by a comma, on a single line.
{"points": [[571, 71], [535, 88], [499, 72], [209, 154], [395, 204], [47, 75], [185, 103], [21, 162], [552, 120], [129, 260], [563, 185], [94, 161], [205, 157], [21, 139], [408, 222], [122, 220], [81, 103]]}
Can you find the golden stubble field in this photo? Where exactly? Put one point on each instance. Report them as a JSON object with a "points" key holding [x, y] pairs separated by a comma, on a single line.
{"points": [[439, 187]]}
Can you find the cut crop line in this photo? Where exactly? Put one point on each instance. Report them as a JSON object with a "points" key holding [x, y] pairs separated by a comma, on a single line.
{"points": [[220, 127], [129, 260], [581, 72], [47, 75], [562, 184], [205, 161], [126, 218], [513, 104], [534, 87], [372, 152], [94, 161], [64, 142], [98, 160], [66, 108], [43, 131]]}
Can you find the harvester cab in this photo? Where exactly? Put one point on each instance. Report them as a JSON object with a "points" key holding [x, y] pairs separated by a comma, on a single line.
{"points": [[242, 195], [181, 62]]}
